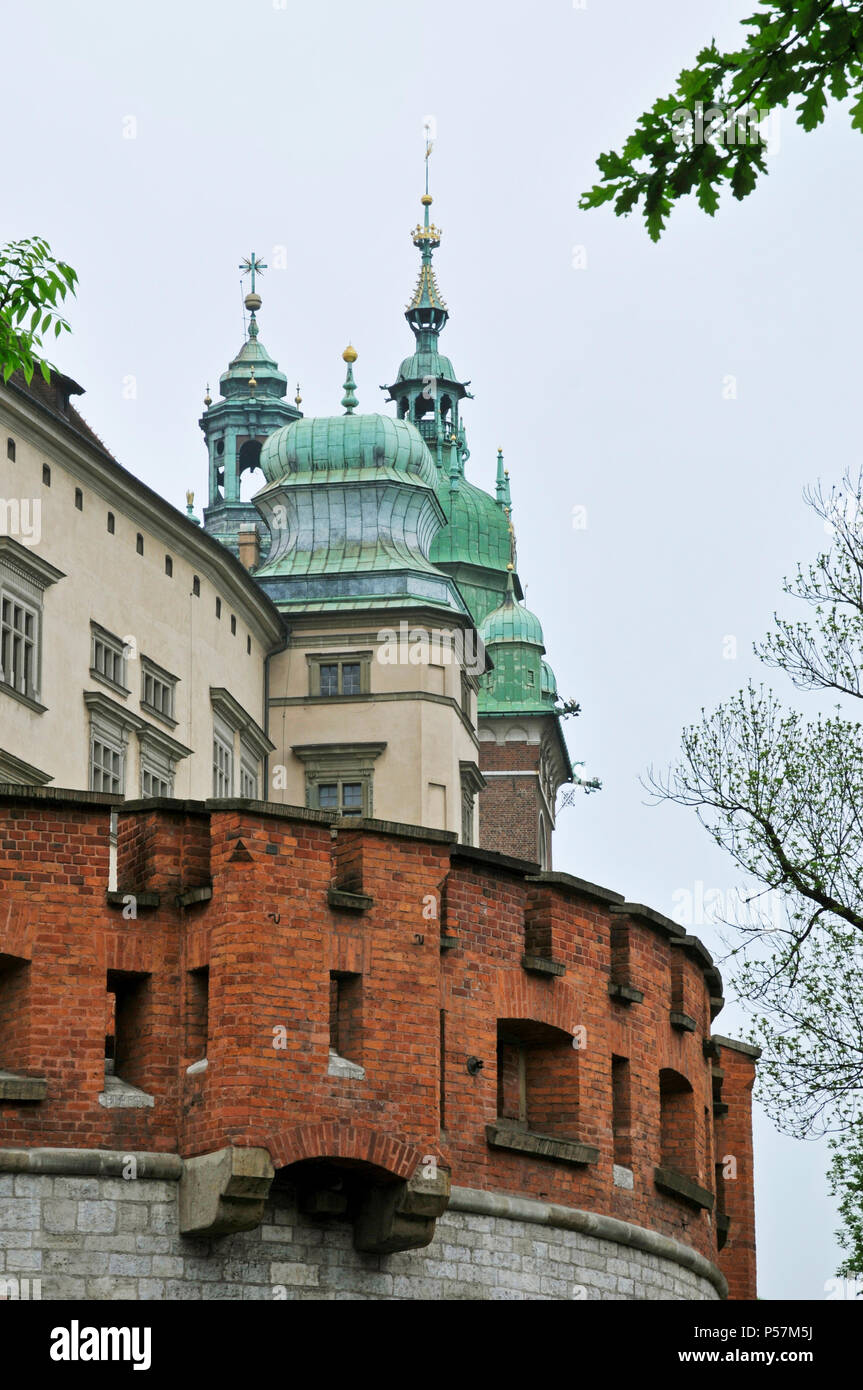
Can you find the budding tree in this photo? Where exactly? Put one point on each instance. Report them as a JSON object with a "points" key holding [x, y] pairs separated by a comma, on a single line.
{"points": [[783, 795]]}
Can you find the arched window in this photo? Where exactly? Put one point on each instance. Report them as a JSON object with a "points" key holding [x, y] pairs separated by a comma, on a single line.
{"points": [[10, 450]]}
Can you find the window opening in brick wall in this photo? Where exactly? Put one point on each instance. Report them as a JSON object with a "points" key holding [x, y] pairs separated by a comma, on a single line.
{"points": [[346, 1015], [677, 1123]]}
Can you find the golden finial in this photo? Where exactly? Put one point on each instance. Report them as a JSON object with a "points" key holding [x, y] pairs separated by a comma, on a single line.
{"points": [[350, 354], [510, 567], [426, 200], [298, 400], [252, 382], [208, 400], [190, 499]]}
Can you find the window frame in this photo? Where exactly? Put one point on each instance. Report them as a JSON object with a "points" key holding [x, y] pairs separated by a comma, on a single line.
{"points": [[24, 577], [246, 741], [151, 671], [316, 662], [223, 741], [340, 764], [100, 636]]}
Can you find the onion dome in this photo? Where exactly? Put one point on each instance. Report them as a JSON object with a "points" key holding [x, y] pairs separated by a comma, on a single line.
{"points": [[352, 509]]}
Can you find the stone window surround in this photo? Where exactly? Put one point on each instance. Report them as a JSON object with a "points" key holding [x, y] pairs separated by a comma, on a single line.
{"points": [[114, 644], [158, 673], [316, 660], [472, 783], [112, 723], [236, 728], [24, 577], [15, 770], [340, 762], [223, 766]]}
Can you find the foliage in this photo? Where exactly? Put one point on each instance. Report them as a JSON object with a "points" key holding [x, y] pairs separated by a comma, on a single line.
{"points": [[707, 134], [32, 285], [783, 796]]}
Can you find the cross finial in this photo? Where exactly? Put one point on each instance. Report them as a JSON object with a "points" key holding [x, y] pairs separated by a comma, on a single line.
{"points": [[252, 266]]}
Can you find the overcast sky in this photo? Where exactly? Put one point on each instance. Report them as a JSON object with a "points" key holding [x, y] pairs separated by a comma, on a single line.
{"points": [[156, 145]]}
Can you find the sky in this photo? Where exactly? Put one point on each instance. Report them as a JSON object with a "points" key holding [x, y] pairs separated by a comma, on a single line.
{"points": [[661, 408]]}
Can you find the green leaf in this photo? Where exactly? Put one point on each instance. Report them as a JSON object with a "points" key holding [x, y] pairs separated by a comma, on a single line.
{"points": [[812, 109], [708, 198]]}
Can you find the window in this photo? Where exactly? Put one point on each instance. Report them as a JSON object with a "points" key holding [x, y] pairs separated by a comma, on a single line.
{"points": [[346, 1015], [10, 450], [79, 499], [159, 755], [466, 816], [537, 1078], [169, 567], [157, 691], [218, 608], [442, 1071], [248, 646], [346, 797], [107, 660], [130, 1048], [621, 1111], [223, 760], [339, 777], [249, 766], [472, 782], [23, 580], [466, 700], [196, 586], [107, 766], [46, 475], [233, 725], [197, 1013], [18, 652], [677, 1123], [110, 523], [139, 543], [152, 784], [110, 724], [332, 677], [233, 626]]}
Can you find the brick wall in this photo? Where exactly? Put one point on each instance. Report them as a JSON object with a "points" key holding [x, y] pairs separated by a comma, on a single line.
{"points": [[271, 941]]}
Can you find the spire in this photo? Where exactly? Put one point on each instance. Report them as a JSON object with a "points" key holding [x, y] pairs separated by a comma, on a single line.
{"points": [[502, 486], [427, 312], [252, 266], [350, 401]]}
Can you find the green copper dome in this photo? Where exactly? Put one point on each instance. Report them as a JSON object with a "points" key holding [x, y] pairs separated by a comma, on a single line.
{"points": [[478, 530], [513, 638], [253, 362], [350, 503], [343, 446], [511, 622]]}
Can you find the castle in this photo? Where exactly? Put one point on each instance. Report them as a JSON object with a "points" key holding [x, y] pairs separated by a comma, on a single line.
{"points": [[292, 1001]]}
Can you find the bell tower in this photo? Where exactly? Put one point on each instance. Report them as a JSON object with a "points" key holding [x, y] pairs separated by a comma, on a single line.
{"points": [[252, 407]]}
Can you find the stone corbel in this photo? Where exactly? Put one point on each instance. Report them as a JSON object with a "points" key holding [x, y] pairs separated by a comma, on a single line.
{"points": [[224, 1192], [401, 1216]]}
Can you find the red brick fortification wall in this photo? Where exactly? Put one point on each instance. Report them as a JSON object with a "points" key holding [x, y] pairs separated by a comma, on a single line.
{"points": [[261, 935]]}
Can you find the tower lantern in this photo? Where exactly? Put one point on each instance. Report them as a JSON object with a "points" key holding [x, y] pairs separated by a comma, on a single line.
{"points": [[252, 407]]}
